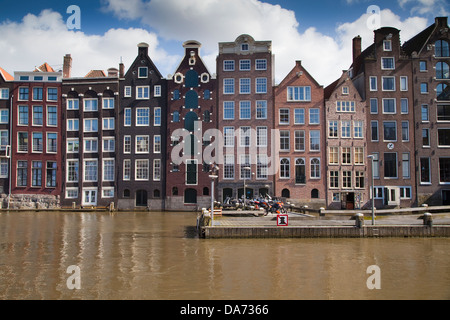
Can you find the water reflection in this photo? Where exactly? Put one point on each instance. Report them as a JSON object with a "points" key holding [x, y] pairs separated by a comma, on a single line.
{"points": [[158, 256]]}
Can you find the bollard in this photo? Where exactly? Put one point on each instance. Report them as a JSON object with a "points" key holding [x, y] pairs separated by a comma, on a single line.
{"points": [[427, 219], [359, 220]]}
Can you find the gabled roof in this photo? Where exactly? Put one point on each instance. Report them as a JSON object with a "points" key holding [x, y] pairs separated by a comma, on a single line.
{"points": [[417, 43], [96, 74], [6, 76], [44, 68], [330, 88], [359, 61]]}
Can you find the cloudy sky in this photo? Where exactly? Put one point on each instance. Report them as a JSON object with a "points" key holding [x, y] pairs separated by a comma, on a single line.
{"points": [[317, 32]]}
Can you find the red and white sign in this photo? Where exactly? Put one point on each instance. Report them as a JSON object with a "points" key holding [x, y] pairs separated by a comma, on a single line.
{"points": [[282, 220]]}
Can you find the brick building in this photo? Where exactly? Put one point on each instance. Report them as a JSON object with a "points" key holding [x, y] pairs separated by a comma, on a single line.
{"points": [[6, 89], [245, 77], [300, 117], [430, 55], [347, 177], [191, 112]]}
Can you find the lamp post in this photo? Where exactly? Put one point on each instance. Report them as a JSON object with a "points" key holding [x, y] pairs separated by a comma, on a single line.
{"points": [[373, 191], [245, 175], [213, 176]]}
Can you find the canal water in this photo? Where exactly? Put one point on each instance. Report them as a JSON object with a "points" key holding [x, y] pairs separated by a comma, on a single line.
{"points": [[159, 256]]}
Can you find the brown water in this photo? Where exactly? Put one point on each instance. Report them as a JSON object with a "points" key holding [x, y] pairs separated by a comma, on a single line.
{"points": [[158, 256]]}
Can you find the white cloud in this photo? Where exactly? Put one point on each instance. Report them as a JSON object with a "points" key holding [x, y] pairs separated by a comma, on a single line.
{"points": [[431, 7], [45, 38]]}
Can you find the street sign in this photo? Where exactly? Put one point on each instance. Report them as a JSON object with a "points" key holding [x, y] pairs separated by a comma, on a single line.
{"points": [[282, 220]]}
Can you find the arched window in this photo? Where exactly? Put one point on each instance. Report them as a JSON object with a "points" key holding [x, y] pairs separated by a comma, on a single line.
{"points": [[443, 92], [442, 71], [206, 116], [300, 171], [189, 121], [286, 193], [441, 48], [314, 194], [285, 168], [126, 193], [174, 191], [191, 100], [156, 193], [206, 94], [176, 116], [191, 79], [176, 95], [315, 168]]}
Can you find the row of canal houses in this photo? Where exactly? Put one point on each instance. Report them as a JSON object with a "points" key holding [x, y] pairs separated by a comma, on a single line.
{"points": [[117, 137]]}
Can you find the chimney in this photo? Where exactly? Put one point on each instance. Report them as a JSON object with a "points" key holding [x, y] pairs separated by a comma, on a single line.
{"points": [[121, 70], [441, 22], [67, 66], [356, 47]]}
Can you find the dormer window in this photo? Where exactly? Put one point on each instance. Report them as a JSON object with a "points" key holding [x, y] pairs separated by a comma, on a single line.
{"points": [[345, 90], [387, 45], [143, 72], [244, 47]]}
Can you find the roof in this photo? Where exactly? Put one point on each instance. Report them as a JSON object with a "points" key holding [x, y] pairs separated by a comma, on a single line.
{"points": [[96, 74], [44, 68], [330, 88], [6, 76], [416, 43]]}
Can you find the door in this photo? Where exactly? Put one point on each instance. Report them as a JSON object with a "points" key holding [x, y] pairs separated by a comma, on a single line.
{"points": [[350, 201], [141, 198], [89, 197], [446, 197]]}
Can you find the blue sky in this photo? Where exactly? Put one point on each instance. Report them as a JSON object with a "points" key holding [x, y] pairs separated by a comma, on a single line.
{"points": [[111, 29]]}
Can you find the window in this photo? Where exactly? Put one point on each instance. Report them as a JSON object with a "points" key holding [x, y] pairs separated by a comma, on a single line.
{"points": [[157, 117], [127, 92], [108, 192], [387, 45], [90, 105], [127, 144], [261, 64], [334, 179], [284, 116], [300, 171], [73, 124], [90, 125], [23, 93], [405, 192], [245, 136], [261, 136], [425, 171], [299, 93], [52, 94], [373, 83], [387, 64], [405, 131], [142, 144], [109, 144], [404, 108], [346, 155], [157, 91], [228, 110], [244, 86], [441, 48], [244, 65], [358, 127], [315, 168], [245, 163], [72, 170], [373, 106], [443, 112], [359, 179], [52, 144], [142, 92], [127, 117], [228, 167], [424, 88], [38, 142], [346, 129], [51, 174], [299, 140], [390, 130], [157, 170], [333, 129], [22, 138], [261, 109], [90, 170], [444, 170], [359, 155], [390, 165], [22, 173], [127, 170], [403, 83], [442, 92], [142, 170], [285, 169], [424, 113], [38, 116], [244, 47], [73, 145], [345, 90], [345, 106], [108, 123], [52, 117], [314, 140], [261, 85], [23, 115], [444, 137], [442, 71], [314, 116], [228, 86], [388, 83], [245, 110], [423, 66], [108, 169], [406, 166], [284, 140], [333, 155], [142, 117], [262, 166], [191, 172], [4, 93], [346, 179], [143, 72], [299, 116], [36, 173], [425, 137], [228, 65], [108, 103], [228, 136], [38, 93], [157, 144], [90, 145], [72, 104], [4, 139]]}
